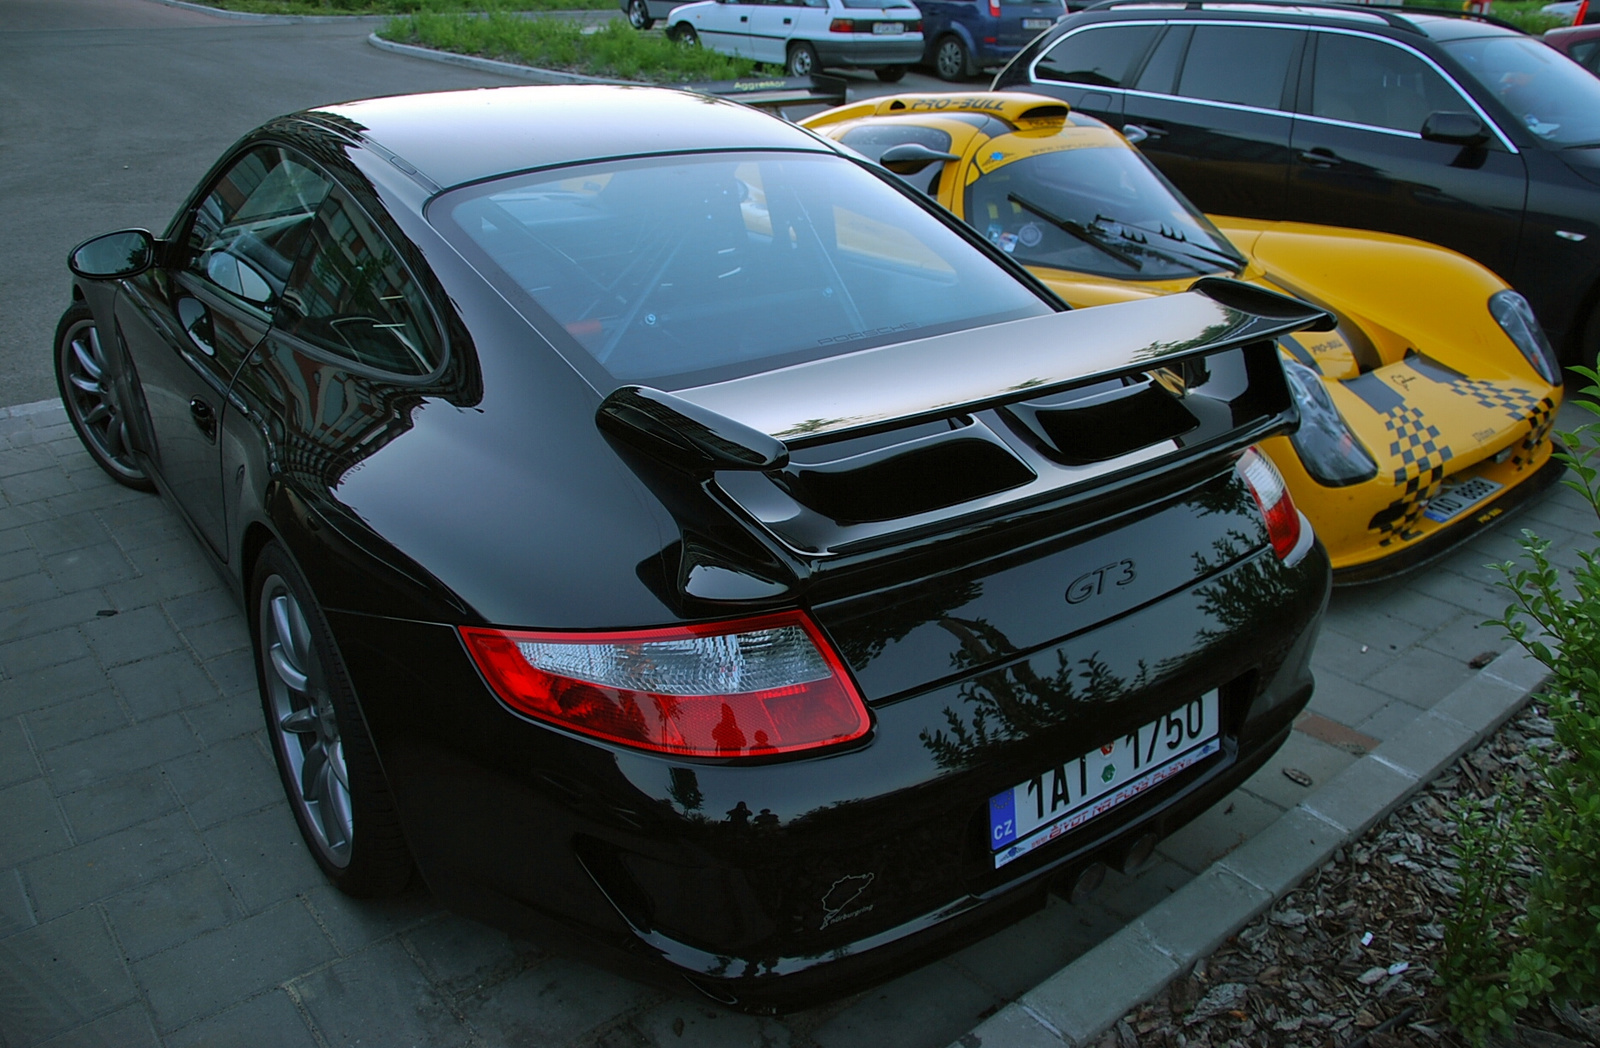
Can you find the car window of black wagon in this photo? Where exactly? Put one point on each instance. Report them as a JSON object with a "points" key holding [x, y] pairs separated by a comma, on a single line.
{"points": [[351, 295], [247, 231], [1367, 81], [1245, 65], [1096, 56], [682, 270]]}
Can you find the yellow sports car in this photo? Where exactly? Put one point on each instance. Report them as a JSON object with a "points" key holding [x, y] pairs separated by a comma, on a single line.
{"points": [[1425, 416]]}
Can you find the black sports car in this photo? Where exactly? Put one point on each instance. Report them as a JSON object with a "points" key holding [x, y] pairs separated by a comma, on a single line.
{"points": [[671, 534]]}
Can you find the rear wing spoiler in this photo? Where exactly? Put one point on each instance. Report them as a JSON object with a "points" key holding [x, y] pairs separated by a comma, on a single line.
{"points": [[752, 423], [775, 92]]}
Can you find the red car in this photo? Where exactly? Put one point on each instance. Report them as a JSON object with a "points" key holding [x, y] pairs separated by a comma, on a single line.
{"points": [[1581, 43]]}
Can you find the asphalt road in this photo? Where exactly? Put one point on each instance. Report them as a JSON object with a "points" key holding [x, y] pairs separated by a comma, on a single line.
{"points": [[111, 110]]}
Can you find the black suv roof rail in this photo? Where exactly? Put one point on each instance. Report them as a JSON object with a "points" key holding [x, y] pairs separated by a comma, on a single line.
{"points": [[1391, 15]]}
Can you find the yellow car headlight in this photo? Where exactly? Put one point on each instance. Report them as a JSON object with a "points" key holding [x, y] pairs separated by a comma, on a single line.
{"points": [[1515, 317]]}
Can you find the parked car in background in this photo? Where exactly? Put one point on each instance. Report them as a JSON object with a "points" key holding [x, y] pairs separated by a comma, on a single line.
{"points": [[1424, 416], [1449, 128], [1581, 43], [683, 541], [804, 37], [964, 36]]}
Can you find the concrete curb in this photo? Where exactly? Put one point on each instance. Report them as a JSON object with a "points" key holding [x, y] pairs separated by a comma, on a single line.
{"points": [[251, 16], [1084, 999], [486, 65]]}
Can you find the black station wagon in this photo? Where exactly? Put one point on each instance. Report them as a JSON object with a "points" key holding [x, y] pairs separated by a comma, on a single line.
{"points": [[1452, 129]]}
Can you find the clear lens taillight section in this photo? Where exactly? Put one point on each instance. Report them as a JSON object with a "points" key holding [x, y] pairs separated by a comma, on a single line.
{"points": [[1272, 495], [748, 688]]}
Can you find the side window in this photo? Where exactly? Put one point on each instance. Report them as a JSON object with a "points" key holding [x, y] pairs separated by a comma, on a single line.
{"points": [[1246, 65], [249, 228], [350, 294], [1161, 71], [1101, 57], [1366, 81], [1587, 54]]}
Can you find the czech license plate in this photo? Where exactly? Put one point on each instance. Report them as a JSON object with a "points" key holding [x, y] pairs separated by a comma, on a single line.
{"points": [[1454, 501], [1036, 23], [1036, 812], [886, 28]]}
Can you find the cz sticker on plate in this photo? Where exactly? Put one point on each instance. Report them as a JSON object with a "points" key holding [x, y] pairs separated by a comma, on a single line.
{"points": [[1036, 812], [1452, 502]]}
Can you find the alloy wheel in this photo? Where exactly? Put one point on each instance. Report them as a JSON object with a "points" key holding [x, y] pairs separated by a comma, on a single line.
{"points": [[89, 397]]}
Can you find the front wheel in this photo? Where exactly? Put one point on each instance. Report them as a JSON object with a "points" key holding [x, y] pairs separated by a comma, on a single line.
{"points": [[891, 74], [684, 34], [639, 15], [319, 740], [950, 59], [802, 59], [91, 399]]}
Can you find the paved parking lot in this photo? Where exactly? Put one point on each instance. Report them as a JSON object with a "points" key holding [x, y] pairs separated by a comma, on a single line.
{"points": [[153, 888]]}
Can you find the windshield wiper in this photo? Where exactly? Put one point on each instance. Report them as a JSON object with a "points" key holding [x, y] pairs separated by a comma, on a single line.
{"points": [[1095, 238], [1232, 262]]}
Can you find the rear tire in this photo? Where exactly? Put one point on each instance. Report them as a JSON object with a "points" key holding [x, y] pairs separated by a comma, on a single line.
{"points": [[951, 60], [639, 15], [329, 770], [802, 59], [684, 34], [891, 74], [91, 400]]}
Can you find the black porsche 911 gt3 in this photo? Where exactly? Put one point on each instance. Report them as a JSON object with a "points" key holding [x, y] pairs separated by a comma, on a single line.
{"points": [[666, 532]]}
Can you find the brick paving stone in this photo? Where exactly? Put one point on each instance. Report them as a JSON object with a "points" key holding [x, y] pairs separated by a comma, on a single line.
{"points": [[932, 1005], [91, 871], [1390, 718], [35, 486], [379, 996], [1334, 733], [1127, 897], [262, 857], [64, 534], [60, 975], [1480, 595], [268, 1020], [33, 617], [553, 1002], [1016, 958], [16, 912], [150, 531], [128, 1027], [13, 539], [38, 689], [131, 635], [163, 684], [17, 762], [117, 804], [74, 719], [21, 592], [49, 649], [1341, 653], [215, 639], [1218, 830], [26, 459], [17, 516], [169, 910], [356, 925], [114, 753], [30, 823], [234, 672], [683, 1023], [1466, 637], [1301, 753], [237, 714], [1421, 678], [151, 590], [19, 563], [197, 609], [464, 957], [240, 959], [225, 779], [88, 568]]}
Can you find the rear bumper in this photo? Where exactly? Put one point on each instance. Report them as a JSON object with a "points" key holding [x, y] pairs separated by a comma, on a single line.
{"points": [[772, 886], [868, 52]]}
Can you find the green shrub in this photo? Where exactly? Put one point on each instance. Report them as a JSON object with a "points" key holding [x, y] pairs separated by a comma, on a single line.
{"points": [[403, 7], [612, 50], [1553, 949]]}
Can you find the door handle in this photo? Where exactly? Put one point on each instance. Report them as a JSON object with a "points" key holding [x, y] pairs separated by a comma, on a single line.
{"points": [[744, 18], [1320, 157], [203, 416], [788, 21]]}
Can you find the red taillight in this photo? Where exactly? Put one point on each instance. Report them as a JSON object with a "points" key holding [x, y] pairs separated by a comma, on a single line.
{"points": [[1272, 495], [747, 688], [842, 25], [914, 27], [994, 8]]}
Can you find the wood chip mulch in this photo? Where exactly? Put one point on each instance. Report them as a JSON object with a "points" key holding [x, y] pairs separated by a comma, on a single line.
{"points": [[1347, 959]]}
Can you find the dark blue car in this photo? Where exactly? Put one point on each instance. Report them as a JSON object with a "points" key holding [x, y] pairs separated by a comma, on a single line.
{"points": [[962, 37]]}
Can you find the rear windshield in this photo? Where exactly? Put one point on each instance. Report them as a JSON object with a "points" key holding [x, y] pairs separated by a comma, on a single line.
{"points": [[682, 270]]}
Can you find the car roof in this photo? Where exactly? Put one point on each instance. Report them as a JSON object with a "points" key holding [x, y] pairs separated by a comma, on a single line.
{"points": [[455, 137], [1433, 23]]}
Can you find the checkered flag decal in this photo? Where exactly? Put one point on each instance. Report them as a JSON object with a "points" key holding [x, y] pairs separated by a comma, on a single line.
{"points": [[1422, 454], [1515, 401], [1541, 419]]}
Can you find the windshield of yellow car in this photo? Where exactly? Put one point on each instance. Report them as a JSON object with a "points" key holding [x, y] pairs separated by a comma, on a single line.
{"points": [[1099, 209]]}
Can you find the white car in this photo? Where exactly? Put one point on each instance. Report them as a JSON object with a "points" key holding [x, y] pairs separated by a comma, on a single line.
{"points": [[802, 36]]}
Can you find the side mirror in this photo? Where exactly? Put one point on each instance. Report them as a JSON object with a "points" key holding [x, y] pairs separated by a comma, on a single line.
{"points": [[113, 256], [908, 158], [1454, 128]]}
